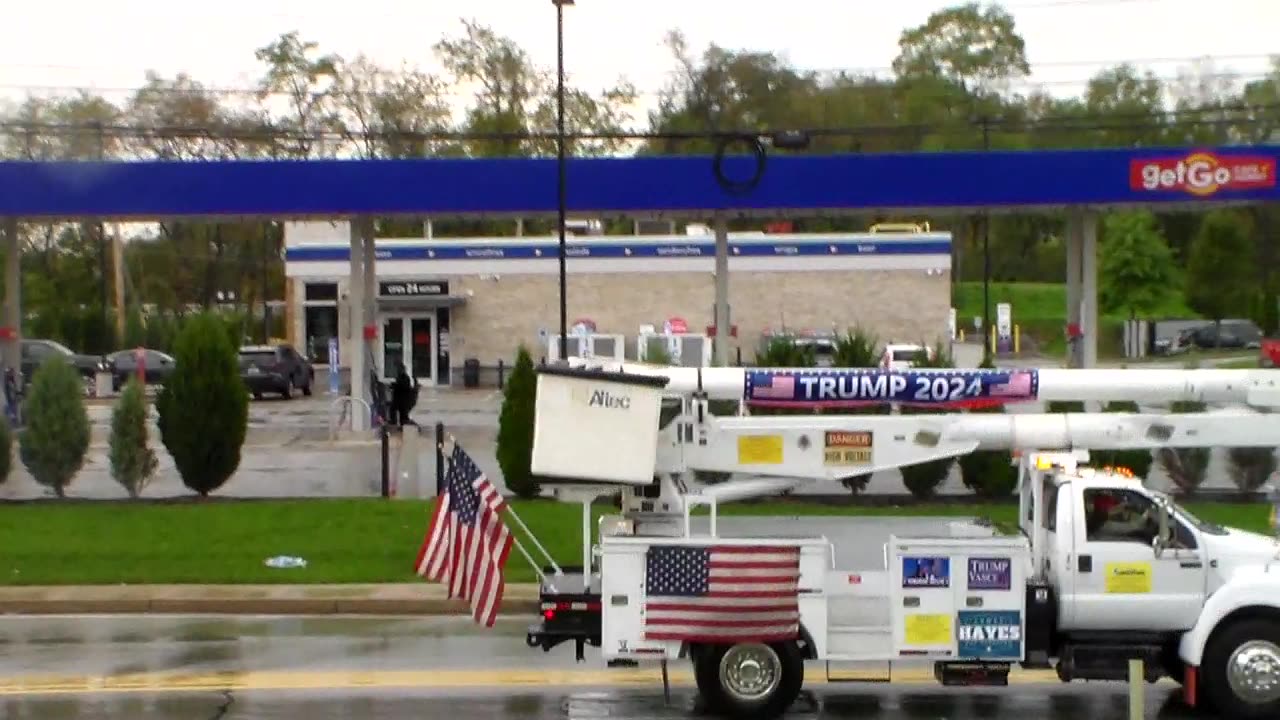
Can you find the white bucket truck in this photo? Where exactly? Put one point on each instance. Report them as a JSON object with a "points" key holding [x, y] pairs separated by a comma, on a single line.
{"points": [[1102, 571]]}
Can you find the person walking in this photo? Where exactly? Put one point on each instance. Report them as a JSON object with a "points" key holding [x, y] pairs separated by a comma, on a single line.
{"points": [[404, 391]]}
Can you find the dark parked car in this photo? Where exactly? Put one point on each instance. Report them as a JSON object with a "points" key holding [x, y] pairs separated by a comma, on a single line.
{"points": [[1235, 334], [124, 365], [275, 369], [35, 352]]}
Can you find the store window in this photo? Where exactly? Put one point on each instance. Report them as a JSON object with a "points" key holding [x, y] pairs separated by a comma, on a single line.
{"points": [[322, 291], [321, 323]]}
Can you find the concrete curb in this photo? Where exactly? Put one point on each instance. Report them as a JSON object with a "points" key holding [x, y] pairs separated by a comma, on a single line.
{"points": [[272, 606], [395, 599]]}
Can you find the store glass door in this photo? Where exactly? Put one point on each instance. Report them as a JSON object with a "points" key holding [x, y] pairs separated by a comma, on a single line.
{"points": [[422, 350], [393, 346], [409, 340]]}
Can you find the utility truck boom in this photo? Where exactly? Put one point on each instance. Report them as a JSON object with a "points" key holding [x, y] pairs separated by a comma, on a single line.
{"points": [[1104, 570]]}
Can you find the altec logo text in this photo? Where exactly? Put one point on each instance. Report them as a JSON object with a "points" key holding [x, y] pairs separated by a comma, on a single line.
{"points": [[1202, 174]]}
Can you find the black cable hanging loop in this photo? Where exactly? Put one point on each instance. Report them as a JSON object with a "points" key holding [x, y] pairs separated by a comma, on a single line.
{"points": [[757, 149]]}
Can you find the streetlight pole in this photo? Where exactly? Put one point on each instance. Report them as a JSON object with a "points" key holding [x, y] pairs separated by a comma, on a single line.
{"points": [[987, 342], [560, 172]]}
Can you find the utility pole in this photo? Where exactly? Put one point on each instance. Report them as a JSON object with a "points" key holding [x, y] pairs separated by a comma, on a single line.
{"points": [[987, 350], [561, 181], [100, 231]]}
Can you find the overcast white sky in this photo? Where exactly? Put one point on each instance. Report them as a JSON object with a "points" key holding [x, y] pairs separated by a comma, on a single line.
{"points": [[109, 45]]}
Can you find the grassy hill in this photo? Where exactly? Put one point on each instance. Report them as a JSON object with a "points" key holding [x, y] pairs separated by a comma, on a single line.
{"points": [[1040, 309]]}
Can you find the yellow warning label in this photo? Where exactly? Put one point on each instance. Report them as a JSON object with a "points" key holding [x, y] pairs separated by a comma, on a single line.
{"points": [[1128, 578], [928, 629], [760, 450], [847, 448]]}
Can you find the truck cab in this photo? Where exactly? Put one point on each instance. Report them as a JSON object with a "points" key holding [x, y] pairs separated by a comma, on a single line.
{"points": [[1136, 576]]}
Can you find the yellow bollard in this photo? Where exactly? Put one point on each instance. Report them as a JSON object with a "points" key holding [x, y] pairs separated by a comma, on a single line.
{"points": [[1017, 339], [1137, 703]]}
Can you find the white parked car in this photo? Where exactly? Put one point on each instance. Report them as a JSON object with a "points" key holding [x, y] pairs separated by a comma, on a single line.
{"points": [[904, 357]]}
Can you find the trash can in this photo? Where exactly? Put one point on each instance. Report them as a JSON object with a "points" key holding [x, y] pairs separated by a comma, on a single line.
{"points": [[102, 384], [471, 373]]}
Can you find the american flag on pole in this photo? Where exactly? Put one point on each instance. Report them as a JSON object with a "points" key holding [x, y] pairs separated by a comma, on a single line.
{"points": [[467, 544], [768, 386], [722, 593], [1021, 384]]}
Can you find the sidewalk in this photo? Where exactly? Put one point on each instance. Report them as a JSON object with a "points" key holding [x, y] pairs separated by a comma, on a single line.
{"points": [[391, 599]]}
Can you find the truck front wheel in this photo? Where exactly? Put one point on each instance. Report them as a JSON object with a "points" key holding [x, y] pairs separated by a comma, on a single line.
{"points": [[749, 680], [1242, 670]]}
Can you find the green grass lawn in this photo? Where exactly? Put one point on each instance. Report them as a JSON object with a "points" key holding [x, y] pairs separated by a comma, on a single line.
{"points": [[343, 541], [1040, 311], [1035, 301]]}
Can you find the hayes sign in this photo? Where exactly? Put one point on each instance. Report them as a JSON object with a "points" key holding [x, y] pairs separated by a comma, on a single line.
{"points": [[1202, 174]]}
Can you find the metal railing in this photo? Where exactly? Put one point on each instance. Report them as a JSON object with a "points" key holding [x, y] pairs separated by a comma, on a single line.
{"points": [[337, 419]]}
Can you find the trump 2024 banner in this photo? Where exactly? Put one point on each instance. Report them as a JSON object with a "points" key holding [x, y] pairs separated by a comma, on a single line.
{"points": [[853, 388]]}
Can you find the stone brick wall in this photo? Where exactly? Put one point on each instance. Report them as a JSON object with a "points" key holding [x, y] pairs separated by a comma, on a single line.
{"points": [[502, 312]]}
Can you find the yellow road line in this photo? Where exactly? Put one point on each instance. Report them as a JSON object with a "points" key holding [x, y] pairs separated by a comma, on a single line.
{"points": [[416, 679]]}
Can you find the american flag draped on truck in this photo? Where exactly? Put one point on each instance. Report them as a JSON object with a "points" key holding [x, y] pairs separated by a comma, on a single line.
{"points": [[722, 593]]}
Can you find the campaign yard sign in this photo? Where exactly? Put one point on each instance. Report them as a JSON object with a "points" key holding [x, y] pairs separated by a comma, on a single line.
{"points": [[989, 635], [992, 573], [926, 572]]}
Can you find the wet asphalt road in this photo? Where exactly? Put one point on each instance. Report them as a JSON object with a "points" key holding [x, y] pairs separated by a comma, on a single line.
{"points": [[1024, 703], [245, 668]]}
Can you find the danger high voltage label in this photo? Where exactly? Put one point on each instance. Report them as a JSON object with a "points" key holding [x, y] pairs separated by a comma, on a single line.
{"points": [[847, 448]]}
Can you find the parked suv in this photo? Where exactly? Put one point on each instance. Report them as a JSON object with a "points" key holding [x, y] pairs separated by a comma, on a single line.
{"points": [[275, 369], [35, 352], [1235, 334]]}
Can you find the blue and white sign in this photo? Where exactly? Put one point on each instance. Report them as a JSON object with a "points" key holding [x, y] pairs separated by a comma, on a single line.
{"points": [[868, 387], [530, 250], [989, 635], [333, 366]]}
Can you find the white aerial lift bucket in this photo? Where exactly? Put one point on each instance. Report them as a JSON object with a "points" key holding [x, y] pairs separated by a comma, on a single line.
{"points": [[596, 426]]}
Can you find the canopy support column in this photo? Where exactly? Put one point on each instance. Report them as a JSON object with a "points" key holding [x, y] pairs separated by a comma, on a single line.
{"points": [[1082, 287], [370, 301], [355, 326], [720, 345], [12, 293]]}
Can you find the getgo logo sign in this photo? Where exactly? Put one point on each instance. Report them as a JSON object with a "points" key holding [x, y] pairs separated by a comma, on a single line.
{"points": [[1202, 174]]}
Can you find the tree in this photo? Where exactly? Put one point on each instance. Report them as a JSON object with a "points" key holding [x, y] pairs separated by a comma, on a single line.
{"points": [[1136, 268], [989, 473], [515, 427], [976, 51], [135, 329], [857, 349], [56, 437], [1220, 275], [133, 462], [924, 479], [204, 406], [1251, 467], [1139, 461], [1186, 467]]}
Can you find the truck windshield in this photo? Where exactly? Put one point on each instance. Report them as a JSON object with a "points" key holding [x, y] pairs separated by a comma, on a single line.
{"points": [[1188, 516]]}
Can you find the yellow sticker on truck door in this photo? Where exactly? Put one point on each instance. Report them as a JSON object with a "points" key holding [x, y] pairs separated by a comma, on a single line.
{"points": [[1128, 578], [922, 629]]}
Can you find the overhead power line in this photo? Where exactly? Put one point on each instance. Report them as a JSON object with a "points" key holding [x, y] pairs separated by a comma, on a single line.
{"points": [[1200, 117], [244, 92], [1138, 61]]}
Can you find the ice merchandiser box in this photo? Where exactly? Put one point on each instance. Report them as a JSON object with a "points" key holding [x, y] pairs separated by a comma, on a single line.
{"points": [[596, 426]]}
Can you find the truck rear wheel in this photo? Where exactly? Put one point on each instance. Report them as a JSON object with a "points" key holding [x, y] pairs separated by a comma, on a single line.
{"points": [[749, 680], [1242, 670]]}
